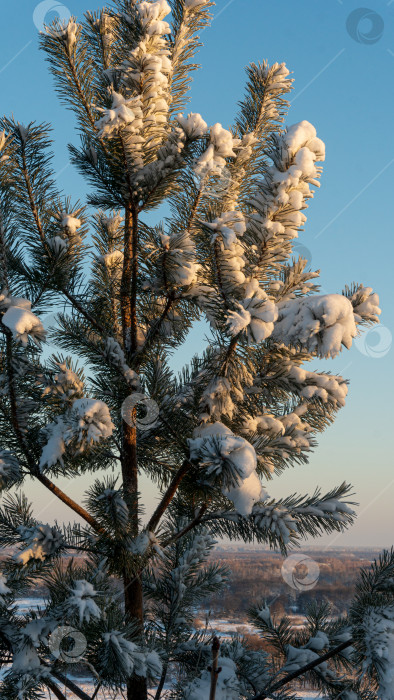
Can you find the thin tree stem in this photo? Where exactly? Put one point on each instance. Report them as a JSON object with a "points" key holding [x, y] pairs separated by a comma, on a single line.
{"points": [[161, 682], [231, 349], [216, 249], [193, 210], [193, 523], [80, 92], [155, 328], [96, 690], [70, 685], [55, 690], [300, 672], [83, 100], [75, 303], [168, 496], [3, 255], [214, 668], [68, 501], [30, 195]]}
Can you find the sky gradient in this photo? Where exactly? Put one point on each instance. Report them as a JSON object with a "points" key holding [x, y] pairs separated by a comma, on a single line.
{"points": [[343, 64]]}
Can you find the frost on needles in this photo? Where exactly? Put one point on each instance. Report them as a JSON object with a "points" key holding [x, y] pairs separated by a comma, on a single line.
{"points": [[246, 407]]}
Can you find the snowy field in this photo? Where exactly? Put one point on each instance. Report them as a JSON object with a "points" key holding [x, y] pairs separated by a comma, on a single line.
{"points": [[224, 628], [88, 688]]}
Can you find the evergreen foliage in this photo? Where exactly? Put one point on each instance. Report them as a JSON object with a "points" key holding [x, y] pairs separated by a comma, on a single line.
{"points": [[240, 412]]}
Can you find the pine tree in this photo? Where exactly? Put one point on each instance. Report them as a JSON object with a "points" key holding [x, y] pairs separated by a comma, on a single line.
{"points": [[127, 294]]}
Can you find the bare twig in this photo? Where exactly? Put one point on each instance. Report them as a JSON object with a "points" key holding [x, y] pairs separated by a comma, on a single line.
{"points": [[55, 690], [168, 496], [76, 304], [300, 672], [161, 682], [214, 668], [70, 685], [193, 523]]}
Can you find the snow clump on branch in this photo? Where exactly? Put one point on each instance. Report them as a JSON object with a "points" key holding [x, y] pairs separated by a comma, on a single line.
{"points": [[65, 385], [365, 304], [65, 31], [312, 385], [82, 600], [123, 113], [115, 354], [130, 657], [179, 258], [42, 541], [21, 321], [152, 15], [228, 228], [4, 590], [113, 262], [277, 520], [85, 424], [230, 458], [256, 314], [319, 324], [221, 146], [193, 125], [283, 193], [147, 71], [9, 469]]}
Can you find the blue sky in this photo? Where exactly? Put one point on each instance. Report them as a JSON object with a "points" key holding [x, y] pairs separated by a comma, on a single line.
{"points": [[343, 64]]}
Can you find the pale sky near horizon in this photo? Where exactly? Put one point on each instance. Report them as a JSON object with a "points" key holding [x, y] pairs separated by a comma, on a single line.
{"points": [[343, 65]]}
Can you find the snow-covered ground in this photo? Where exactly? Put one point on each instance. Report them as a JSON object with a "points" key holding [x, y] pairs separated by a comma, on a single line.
{"points": [[26, 604], [104, 695], [224, 628]]}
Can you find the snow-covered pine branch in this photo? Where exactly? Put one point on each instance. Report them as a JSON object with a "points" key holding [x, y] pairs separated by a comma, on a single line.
{"points": [[247, 406]]}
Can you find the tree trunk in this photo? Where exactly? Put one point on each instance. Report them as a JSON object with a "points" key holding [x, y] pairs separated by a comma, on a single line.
{"points": [[137, 688], [133, 598]]}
